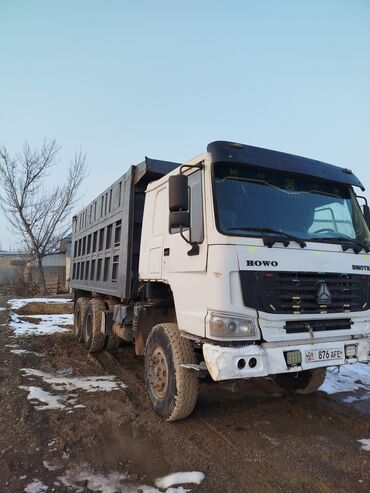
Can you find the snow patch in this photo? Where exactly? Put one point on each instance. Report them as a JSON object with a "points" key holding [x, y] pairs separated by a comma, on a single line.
{"points": [[365, 444], [349, 378], [49, 466], [111, 483], [37, 395], [356, 398], [62, 385], [115, 482], [49, 324], [25, 351], [178, 489], [88, 384], [180, 478], [36, 487], [3, 309], [17, 303]]}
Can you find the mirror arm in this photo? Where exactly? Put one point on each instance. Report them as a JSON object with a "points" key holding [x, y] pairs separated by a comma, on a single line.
{"points": [[362, 197], [184, 237], [194, 250], [189, 166]]}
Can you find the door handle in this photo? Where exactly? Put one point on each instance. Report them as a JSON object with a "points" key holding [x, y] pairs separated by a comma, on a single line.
{"points": [[166, 252]]}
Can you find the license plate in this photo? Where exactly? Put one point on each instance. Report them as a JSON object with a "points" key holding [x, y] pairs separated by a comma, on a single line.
{"points": [[316, 355]]}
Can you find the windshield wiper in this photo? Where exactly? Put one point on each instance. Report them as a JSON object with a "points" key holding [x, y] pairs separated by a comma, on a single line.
{"points": [[346, 243], [271, 241]]}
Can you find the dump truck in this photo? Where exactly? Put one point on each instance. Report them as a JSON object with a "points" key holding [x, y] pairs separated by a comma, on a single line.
{"points": [[242, 262]]}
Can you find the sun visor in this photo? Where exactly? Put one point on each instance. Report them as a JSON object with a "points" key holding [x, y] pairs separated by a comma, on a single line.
{"points": [[222, 151]]}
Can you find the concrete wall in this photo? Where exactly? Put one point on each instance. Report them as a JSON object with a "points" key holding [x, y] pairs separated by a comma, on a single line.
{"points": [[10, 273], [55, 272], [13, 269]]}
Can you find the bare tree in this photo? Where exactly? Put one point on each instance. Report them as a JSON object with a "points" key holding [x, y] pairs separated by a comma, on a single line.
{"points": [[39, 214]]}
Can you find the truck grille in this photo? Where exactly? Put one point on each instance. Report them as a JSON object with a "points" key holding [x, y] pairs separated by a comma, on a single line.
{"points": [[304, 292], [298, 326]]}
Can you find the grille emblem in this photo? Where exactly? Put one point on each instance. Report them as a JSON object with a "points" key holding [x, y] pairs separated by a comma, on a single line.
{"points": [[323, 295]]}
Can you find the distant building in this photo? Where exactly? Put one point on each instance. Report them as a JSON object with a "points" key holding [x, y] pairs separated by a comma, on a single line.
{"points": [[16, 266], [56, 268], [9, 270]]}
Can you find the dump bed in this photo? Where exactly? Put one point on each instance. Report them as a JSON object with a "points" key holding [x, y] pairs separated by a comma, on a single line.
{"points": [[106, 234]]}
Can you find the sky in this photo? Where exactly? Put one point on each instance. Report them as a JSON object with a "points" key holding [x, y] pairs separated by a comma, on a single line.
{"points": [[121, 80]]}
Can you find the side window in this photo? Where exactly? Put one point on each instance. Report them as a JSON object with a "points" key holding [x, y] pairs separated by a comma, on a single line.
{"points": [[196, 208], [101, 240], [117, 233]]}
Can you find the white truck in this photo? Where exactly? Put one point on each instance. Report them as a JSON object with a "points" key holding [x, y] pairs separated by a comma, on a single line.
{"points": [[243, 262]]}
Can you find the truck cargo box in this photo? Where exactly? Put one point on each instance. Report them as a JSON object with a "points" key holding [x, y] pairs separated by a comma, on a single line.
{"points": [[106, 234]]}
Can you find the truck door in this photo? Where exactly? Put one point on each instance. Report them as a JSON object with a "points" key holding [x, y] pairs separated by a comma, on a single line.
{"points": [[186, 274], [158, 227]]}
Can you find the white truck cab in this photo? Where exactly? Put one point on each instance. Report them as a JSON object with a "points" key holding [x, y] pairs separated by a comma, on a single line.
{"points": [[267, 258]]}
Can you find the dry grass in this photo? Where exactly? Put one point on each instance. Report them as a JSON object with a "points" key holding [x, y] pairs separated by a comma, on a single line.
{"points": [[37, 308]]}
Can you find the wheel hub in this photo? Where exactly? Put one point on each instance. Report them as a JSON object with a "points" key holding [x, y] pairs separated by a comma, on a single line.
{"points": [[158, 372]]}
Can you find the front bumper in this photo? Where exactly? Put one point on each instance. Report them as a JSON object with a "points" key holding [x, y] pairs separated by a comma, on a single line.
{"points": [[227, 363]]}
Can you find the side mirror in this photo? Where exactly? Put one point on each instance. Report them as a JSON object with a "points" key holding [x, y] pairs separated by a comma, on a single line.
{"points": [[366, 212], [178, 202], [179, 219], [178, 194]]}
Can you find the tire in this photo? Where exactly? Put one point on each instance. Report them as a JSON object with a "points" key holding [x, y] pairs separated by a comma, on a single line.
{"points": [[304, 382], [79, 317], [94, 339], [172, 389]]}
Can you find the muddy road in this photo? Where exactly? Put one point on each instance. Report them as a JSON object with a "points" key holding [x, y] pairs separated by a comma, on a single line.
{"points": [[85, 430]]}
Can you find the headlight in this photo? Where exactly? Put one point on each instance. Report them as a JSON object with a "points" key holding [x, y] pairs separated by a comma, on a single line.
{"points": [[227, 326]]}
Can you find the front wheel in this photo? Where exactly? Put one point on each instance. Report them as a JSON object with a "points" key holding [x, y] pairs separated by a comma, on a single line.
{"points": [[303, 382], [172, 389]]}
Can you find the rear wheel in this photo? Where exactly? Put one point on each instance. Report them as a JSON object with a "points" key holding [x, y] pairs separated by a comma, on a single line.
{"points": [[79, 317], [172, 389], [303, 382], [94, 339]]}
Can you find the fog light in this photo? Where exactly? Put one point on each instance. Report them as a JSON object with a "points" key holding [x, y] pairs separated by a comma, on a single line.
{"points": [[351, 351], [293, 358], [252, 363]]}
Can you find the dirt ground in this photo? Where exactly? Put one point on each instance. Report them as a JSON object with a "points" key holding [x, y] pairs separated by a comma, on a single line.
{"points": [[252, 440]]}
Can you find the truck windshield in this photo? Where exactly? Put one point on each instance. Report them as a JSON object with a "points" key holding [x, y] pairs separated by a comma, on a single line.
{"points": [[259, 202]]}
